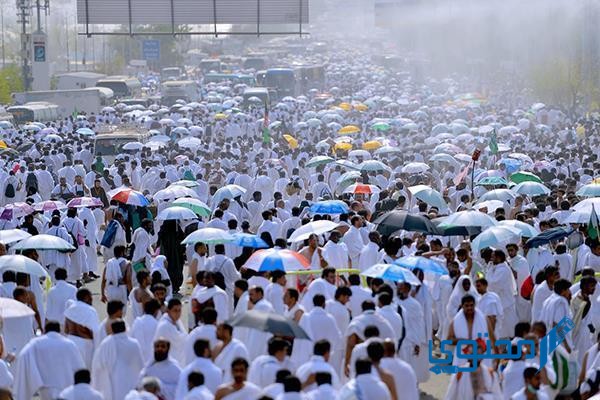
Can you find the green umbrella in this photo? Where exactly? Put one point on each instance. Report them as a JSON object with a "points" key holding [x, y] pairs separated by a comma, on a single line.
{"points": [[319, 160], [197, 206], [381, 126], [525, 177]]}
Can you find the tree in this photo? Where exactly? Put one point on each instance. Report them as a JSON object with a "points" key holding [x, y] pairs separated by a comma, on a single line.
{"points": [[10, 82]]}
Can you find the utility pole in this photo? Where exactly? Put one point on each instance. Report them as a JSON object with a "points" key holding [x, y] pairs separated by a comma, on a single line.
{"points": [[23, 15], [2, 23]]}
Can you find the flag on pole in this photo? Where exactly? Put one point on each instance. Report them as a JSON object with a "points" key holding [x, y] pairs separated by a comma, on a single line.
{"points": [[266, 133], [593, 225], [493, 143]]}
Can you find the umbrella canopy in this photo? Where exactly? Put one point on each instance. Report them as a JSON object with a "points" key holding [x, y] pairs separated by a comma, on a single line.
{"points": [[44, 242], [525, 230], [276, 260], [504, 195], [591, 190], [319, 160], [373, 165], [249, 240], [14, 235], [531, 189], [469, 218], [388, 150], [494, 236], [546, 237], [396, 220], [381, 126], [391, 272], [129, 196], [329, 207], [524, 176], [429, 195], [491, 205], [228, 192], [273, 323], [444, 230], [134, 146], [415, 168], [174, 192], [587, 204], [492, 181], [81, 202], [422, 263], [349, 130], [176, 213], [372, 145], [49, 205], [185, 183], [312, 228], [197, 206], [19, 263], [10, 308], [441, 157], [360, 188], [15, 210], [209, 236]]}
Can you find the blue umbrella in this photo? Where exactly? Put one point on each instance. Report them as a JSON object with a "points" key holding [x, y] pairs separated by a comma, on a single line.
{"points": [[548, 236], [329, 207], [248, 240], [391, 272], [422, 263]]}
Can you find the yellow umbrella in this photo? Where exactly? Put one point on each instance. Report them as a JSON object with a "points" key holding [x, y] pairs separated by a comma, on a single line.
{"points": [[220, 116], [291, 141], [345, 106], [372, 145], [349, 129], [361, 107], [343, 146], [3, 145]]}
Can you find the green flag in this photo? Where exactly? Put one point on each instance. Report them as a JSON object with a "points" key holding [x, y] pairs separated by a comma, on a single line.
{"points": [[494, 143], [266, 132], [593, 225]]}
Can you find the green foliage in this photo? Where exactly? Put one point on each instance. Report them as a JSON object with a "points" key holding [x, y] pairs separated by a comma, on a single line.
{"points": [[10, 82]]}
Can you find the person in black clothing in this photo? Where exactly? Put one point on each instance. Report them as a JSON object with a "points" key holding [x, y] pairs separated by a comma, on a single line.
{"points": [[28, 226]]}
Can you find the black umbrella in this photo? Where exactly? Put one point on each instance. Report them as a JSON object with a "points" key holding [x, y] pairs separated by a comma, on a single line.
{"points": [[548, 236], [276, 324], [453, 230], [396, 220]]}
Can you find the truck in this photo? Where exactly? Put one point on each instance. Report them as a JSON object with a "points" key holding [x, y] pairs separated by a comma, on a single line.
{"points": [[90, 100], [175, 90], [77, 80]]}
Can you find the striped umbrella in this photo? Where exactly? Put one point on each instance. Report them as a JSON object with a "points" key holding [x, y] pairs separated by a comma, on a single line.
{"points": [[276, 259], [129, 196]]}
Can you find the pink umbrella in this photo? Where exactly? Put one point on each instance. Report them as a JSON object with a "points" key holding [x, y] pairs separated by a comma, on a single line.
{"points": [[15, 210], [82, 202], [49, 205]]}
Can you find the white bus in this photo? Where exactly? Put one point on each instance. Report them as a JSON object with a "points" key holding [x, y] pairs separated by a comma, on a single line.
{"points": [[35, 111], [90, 100], [122, 86], [172, 91]]}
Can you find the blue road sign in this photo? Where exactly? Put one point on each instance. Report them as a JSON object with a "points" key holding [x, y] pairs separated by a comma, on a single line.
{"points": [[151, 50]]}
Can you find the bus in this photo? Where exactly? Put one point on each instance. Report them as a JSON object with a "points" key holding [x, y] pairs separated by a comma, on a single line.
{"points": [[310, 77], [39, 111], [122, 86], [89, 100], [171, 74], [174, 90], [261, 93], [255, 62], [283, 80], [210, 65]]}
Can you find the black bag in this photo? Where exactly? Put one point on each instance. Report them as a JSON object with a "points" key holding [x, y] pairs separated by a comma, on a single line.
{"points": [[9, 191], [31, 182]]}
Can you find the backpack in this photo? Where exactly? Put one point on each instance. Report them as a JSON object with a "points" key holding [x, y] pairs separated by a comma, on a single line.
{"points": [[9, 191], [31, 182], [527, 288], [109, 235], [73, 239]]}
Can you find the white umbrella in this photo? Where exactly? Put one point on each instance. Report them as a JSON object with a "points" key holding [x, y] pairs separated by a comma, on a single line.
{"points": [[469, 218], [373, 165], [388, 150], [429, 195], [174, 192], [531, 189], [134, 146], [316, 227], [228, 192], [491, 205], [13, 235], [209, 236], [504, 195], [160, 138], [190, 142], [415, 168], [495, 236], [44, 242], [579, 217], [525, 229], [185, 183], [360, 153], [19, 263], [176, 213], [10, 308], [586, 205]]}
